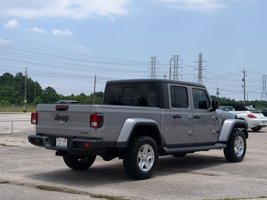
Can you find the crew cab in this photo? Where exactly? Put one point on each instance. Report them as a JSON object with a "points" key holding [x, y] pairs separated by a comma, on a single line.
{"points": [[139, 121]]}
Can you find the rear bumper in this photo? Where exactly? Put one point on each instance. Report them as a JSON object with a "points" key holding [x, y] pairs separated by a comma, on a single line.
{"points": [[73, 146], [257, 123]]}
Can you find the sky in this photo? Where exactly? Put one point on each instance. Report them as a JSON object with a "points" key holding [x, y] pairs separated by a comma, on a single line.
{"points": [[66, 43]]}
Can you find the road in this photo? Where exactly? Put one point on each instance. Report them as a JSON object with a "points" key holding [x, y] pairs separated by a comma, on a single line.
{"points": [[29, 172]]}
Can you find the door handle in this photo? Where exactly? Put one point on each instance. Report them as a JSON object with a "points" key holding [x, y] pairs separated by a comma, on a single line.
{"points": [[176, 116], [196, 117]]}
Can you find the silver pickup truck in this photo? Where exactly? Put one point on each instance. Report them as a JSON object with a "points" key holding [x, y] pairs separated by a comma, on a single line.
{"points": [[139, 121]]}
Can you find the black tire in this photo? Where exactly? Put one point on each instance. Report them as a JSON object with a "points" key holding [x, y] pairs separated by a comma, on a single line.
{"points": [[78, 162], [141, 158], [236, 147], [256, 129]]}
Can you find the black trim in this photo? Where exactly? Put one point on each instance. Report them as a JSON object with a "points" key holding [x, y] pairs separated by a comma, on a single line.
{"points": [[190, 145], [74, 146], [191, 149]]}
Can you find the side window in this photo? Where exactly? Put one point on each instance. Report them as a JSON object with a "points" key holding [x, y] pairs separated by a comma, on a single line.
{"points": [[179, 97], [131, 94], [200, 99]]}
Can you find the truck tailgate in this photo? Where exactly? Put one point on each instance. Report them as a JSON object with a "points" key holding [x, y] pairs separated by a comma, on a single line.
{"points": [[72, 121]]}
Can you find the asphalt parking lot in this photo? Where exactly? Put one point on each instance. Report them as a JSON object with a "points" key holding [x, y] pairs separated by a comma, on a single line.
{"points": [[29, 172]]}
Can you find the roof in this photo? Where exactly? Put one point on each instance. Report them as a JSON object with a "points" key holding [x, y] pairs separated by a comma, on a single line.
{"points": [[155, 80]]}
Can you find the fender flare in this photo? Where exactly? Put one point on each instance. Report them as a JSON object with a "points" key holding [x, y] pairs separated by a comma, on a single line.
{"points": [[129, 126], [228, 126]]}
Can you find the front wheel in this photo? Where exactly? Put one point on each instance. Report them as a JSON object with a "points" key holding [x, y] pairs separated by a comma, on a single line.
{"points": [[236, 147], [141, 158], [78, 162]]}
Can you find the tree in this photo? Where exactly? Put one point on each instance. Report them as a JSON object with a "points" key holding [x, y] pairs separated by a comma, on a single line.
{"points": [[50, 95]]}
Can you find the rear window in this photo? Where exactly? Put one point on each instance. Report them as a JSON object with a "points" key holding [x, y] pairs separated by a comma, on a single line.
{"points": [[131, 94]]}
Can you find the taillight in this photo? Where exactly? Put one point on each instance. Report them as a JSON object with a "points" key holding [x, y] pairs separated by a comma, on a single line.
{"points": [[96, 120], [251, 116], [34, 118]]}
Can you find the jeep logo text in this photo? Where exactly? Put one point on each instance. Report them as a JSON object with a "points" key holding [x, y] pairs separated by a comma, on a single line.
{"points": [[61, 118]]}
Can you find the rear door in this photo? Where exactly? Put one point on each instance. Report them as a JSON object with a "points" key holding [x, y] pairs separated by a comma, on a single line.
{"points": [[178, 126]]}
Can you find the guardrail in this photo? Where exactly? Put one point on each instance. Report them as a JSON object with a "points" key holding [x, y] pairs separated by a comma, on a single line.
{"points": [[7, 126]]}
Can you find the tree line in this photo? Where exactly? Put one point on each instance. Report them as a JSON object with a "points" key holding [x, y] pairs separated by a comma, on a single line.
{"points": [[232, 102], [12, 92]]}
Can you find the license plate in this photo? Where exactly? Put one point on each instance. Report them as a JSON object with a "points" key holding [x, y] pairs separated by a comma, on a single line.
{"points": [[61, 142]]}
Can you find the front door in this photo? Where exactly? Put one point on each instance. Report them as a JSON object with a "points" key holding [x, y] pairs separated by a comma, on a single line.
{"points": [[204, 121]]}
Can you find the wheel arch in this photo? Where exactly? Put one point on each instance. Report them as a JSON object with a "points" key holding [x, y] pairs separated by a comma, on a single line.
{"points": [[138, 126], [229, 126]]}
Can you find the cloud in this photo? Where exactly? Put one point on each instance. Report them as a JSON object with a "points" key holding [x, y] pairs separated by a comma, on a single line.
{"points": [[38, 30], [13, 23], [75, 9], [65, 32], [81, 48], [194, 4], [4, 42], [55, 32]]}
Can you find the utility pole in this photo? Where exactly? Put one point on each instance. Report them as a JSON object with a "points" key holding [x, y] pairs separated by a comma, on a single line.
{"points": [[244, 84], [25, 89], [175, 67], [94, 89], [218, 93], [35, 85], [200, 69], [264, 92], [170, 73], [165, 76], [174, 63], [153, 67]]}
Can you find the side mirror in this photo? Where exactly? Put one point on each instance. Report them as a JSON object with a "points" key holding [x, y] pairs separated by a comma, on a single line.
{"points": [[214, 105]]}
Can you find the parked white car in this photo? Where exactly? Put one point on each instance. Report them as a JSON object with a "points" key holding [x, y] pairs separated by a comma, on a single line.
{"points": [[255, 120]]}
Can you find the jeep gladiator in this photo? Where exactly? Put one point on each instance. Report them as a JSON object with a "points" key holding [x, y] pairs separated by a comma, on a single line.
{"points": [[139, 121]]}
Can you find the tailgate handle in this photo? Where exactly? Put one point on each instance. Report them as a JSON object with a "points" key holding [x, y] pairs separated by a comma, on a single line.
{"points": [[62, 107]]}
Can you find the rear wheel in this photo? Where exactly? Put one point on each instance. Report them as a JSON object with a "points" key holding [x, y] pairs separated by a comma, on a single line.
{"points": [[141, 158], [78, 162], [236, 147]]}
